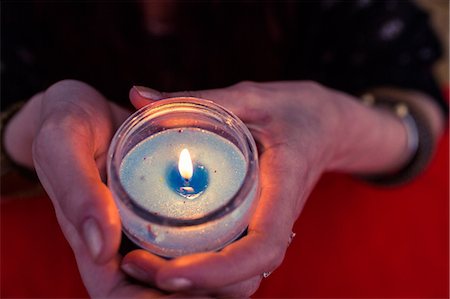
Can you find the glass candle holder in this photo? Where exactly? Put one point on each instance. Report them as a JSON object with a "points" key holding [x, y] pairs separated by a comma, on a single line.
{"points": [[184, 175]]}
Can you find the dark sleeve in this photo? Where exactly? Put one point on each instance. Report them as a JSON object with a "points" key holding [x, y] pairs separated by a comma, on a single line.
{"points": [[353, 46]]}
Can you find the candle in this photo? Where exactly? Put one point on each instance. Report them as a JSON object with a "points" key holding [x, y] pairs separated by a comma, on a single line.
{"points": [[151, 175], [184, 175]]}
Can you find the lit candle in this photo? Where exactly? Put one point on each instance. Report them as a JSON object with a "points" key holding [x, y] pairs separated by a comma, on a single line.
{"points": [[187, 186], [184, 180], [156, 172]]}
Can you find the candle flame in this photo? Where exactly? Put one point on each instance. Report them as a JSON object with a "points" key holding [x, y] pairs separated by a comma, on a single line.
{"points": [[185, 166]]}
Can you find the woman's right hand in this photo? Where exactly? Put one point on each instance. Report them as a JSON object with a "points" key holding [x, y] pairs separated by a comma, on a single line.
{"points": [[64, 133], [303, 129]]}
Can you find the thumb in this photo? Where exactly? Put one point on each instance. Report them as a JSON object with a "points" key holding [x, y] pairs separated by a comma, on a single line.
{"points": [[246, 108], [141, 96]]}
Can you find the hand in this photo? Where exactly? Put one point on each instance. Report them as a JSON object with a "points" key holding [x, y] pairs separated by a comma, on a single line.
{"points": [[65, 133], [303, 129]]}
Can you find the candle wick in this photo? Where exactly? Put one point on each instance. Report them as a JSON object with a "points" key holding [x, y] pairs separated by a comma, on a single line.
{"points": [[187, 189]]}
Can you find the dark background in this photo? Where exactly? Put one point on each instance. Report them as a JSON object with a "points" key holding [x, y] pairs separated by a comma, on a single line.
{"points": [[350, 46]]}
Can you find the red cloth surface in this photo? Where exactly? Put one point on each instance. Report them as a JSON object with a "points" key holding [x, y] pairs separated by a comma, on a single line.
{"points": [[353, 240]]}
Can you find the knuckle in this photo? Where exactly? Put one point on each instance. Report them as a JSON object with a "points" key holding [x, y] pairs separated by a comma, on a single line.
{"points": [[74, 94], [66, 129], [246, 85], [251, 91], [64, 126], [76, 120], [64, 84]]}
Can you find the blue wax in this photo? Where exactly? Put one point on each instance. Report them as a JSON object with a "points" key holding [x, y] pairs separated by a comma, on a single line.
{"points": [[191, 188]]}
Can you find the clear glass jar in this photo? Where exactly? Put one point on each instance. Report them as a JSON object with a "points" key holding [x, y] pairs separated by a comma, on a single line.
{"points": [[143, 148]]}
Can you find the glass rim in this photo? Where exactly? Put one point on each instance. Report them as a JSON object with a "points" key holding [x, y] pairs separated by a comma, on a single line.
{"points": [[251, 158]]}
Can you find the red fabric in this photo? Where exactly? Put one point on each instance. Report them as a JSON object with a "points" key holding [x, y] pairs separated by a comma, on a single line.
{"points": [[353, 240]]}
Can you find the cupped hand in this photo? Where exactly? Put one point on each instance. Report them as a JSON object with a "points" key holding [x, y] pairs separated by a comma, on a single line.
{"points": [[296, 125], [65, 134]]}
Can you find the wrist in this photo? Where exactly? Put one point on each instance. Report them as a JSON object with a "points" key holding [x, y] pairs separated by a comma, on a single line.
{"points": [[421, 137], [389, 146], [367, 140]]}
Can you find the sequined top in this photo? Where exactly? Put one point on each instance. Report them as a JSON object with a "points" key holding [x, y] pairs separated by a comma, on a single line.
{"points": [[347, 45]]}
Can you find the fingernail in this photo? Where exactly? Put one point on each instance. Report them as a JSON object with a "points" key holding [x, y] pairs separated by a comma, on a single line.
{"points": [[148, 93], [135, 272], [177, 284], [93, 237]]}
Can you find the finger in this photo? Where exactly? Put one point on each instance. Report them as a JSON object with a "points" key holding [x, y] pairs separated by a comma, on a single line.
{"points": [[74, 130], [141, 96], [245, 105], [260, 251], [149, 264], [146, 271], [108, 281]]}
